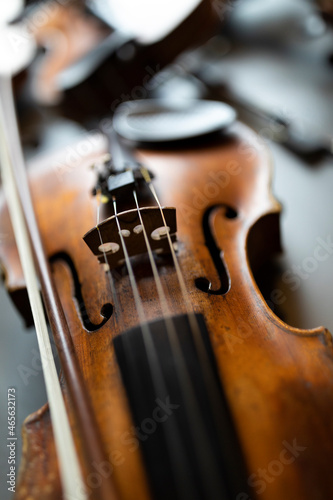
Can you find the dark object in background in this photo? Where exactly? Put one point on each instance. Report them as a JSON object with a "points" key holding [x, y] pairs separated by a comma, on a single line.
{"points": [[326, 8], [119, 68]]}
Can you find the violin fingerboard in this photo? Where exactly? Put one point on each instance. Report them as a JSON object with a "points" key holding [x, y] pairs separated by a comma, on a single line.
{"points": [[189, 454]]}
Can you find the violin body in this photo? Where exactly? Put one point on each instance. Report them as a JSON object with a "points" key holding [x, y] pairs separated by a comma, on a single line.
{"points": [[326, 9], [277, 380], [66, 33], [69, 34]]}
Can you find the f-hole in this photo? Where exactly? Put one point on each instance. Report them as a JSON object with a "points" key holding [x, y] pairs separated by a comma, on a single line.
{"points": [[106, 310], [203, 283]]}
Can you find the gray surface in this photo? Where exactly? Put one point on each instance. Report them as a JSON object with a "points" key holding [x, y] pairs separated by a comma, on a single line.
{"points": [[306, 197], [18, 368]]}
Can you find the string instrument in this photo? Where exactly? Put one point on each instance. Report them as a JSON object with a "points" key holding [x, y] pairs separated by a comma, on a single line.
{"points": [[197, 389], [178, 380], [326, 9], [83, 55]]}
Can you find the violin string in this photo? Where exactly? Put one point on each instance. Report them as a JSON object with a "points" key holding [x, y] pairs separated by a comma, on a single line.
{"points": [[158, 283], [70, 472], [173, 435], [180, 277], [116, 304], [136, 294], [210, 381], [173, 438], [189, 394], [208, 469]]}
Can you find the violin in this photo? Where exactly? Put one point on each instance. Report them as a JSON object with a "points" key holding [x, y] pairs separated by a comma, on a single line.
{"points": [[177, 378], [326, 9], [80, 50], [272, 381]]}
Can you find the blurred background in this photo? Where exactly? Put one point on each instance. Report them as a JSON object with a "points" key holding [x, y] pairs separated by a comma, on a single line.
{"points": [[273, 61]]}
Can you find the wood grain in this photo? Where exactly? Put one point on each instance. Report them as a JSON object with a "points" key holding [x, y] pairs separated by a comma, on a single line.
{"points": [[278, 379]]}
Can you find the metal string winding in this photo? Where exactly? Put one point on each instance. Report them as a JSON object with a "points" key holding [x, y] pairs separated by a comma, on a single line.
{"points": [[210, 382], [208, 469], [116, 303], [173, 440]]}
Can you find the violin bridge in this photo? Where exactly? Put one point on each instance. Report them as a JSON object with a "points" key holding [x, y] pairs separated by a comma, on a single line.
{"points": [[104, 241]]}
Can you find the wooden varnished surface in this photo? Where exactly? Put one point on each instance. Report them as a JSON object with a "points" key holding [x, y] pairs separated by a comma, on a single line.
{"points": [[278, 379]]}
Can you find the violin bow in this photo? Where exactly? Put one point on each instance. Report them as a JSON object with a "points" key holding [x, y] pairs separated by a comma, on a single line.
{"points": [[36, 267]]}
